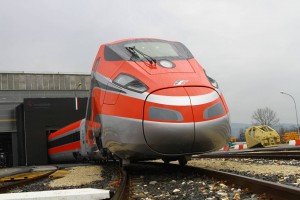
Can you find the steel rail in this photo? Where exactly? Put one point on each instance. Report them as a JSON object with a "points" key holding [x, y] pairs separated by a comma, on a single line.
{"points": [[123, 190], [281, 148], [275, 190], [278, 153], [253, 155]]}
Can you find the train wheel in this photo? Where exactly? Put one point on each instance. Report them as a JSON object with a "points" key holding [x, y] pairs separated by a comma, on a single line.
{"points": [[124, 162], [166, 161], [182, 161]]}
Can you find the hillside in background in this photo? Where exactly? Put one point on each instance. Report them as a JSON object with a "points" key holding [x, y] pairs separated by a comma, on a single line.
{"points": [[236, 127]]}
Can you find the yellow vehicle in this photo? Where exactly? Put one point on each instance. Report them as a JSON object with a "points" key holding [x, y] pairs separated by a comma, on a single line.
{"points": [[261, 136]]}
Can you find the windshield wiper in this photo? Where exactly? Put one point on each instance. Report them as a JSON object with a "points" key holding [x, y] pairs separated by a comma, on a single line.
{"points": [[134, 52]]}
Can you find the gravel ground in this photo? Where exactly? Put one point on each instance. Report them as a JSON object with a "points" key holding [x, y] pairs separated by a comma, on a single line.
{"points": [[280, 171], [77, 176], [150, 181], [174, 182], [105, 176]]}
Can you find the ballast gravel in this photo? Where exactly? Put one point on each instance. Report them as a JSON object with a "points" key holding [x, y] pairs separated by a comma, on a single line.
{"points": [[168, 183], [90, 176], [280, 171], [175, 182]]}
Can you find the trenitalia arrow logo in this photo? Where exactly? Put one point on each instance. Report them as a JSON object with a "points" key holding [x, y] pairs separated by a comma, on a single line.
{"points": [[181, 82]]}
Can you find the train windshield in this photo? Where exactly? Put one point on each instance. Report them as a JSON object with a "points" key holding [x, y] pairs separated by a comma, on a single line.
{"points": [[154, 49], [157, 49]]}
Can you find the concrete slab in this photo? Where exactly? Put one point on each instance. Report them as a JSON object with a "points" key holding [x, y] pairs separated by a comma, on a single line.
{"points": [[12, 171], [70, 194], [43, 168], [24, 169]]}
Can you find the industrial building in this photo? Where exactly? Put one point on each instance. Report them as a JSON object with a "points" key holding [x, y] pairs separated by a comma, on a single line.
{"points": [[33, 105]]}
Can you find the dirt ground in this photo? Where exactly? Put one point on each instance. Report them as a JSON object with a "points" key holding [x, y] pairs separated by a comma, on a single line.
{"points": [[78, 176]]}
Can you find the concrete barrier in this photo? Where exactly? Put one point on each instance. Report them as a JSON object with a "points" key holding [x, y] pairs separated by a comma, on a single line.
{"points": [[240, 146], [70, 194], [294, 142], [226, 148]]}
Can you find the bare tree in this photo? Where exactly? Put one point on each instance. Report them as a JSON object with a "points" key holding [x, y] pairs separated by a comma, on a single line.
{"points": [[265, 116]]}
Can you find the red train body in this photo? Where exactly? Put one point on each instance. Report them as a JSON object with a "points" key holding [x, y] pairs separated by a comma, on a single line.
{"points": [[149, 99], [64, 144]]}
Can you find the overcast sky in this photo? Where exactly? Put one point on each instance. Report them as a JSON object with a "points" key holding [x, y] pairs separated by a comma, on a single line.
{"points": [[251, 47]]}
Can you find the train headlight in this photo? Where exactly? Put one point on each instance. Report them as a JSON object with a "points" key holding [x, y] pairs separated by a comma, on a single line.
{"points": [[166, 64], [131, 83]]}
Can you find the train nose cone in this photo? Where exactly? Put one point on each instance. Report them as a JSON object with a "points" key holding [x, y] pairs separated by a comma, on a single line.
{"points": [[184, 120], [168, 121]]}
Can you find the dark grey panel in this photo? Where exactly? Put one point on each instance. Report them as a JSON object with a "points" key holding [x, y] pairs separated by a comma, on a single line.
{"points": [[43, 114], [214, 111], [164, 114], [7, 117]]}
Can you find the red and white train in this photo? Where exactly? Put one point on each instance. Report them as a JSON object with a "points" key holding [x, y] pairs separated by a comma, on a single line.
{"points": [[149, 99]]}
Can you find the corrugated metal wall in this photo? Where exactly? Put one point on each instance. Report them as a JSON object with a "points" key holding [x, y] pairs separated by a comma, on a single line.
{"points": [[31, 81]]}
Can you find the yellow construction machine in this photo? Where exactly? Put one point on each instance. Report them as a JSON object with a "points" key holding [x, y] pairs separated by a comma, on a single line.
{"points": [[261, 136]]}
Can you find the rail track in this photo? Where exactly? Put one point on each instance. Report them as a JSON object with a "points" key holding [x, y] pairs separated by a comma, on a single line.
{"points": [[123, 190], [270, 189], [160, 181], [157, 180], [266, 153]]}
